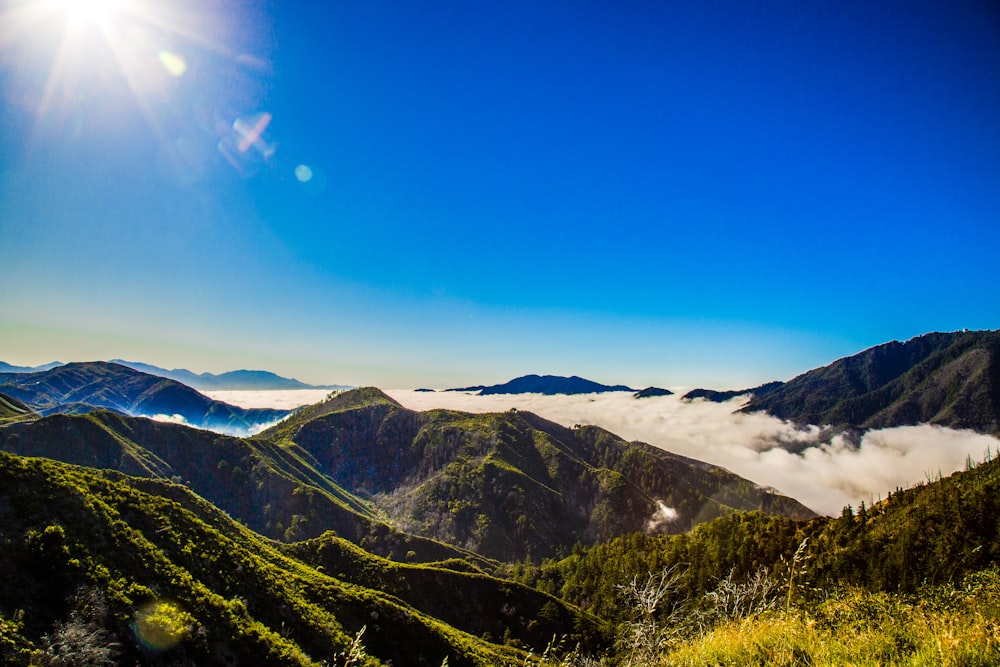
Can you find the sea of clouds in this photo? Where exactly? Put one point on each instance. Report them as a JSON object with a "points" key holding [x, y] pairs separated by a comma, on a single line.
{"points": [[828, 471]]}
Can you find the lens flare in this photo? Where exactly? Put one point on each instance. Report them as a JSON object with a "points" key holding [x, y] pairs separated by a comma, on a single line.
{"points": [[250, 131], [303, 173], [162, 624], [173, 63]]}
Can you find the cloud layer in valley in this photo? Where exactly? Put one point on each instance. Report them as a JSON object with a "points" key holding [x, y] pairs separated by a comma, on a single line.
{"points": [[827, 473]]}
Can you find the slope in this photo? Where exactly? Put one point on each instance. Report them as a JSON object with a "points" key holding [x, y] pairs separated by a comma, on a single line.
{"points": [[149, 573], [933, 533], [510, 485], [948, 379], [276, 491], [80, 387], [13, 410]]}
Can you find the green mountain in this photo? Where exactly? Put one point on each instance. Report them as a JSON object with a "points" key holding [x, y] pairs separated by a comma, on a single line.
{"points": [[276, 491], [13, 410], [81, 387], [102, 568], [948, 379], [931, 534], [157, 552], [510, 485]]}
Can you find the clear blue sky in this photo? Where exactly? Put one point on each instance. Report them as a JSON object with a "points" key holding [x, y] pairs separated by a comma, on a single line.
{"points": [[446, 193]]}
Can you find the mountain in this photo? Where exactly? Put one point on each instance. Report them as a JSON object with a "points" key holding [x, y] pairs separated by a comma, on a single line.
{"points": [[241, 380], [511, 484], [276, 491], [101, 568], [723, 396], [8, 368], [947, 379], [81, 387], [545, 384], [650, 392]]}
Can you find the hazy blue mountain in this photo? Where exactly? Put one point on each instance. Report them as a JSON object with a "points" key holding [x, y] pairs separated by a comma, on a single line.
{"points": [[81, 387], [9, 368], [242, 380], [546, 384]]}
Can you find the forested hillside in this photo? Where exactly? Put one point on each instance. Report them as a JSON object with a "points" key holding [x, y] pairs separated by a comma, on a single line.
{"points": [[509, 485], [117, 570], [948, 379]]}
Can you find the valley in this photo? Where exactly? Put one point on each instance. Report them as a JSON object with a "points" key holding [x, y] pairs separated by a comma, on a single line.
{"points": [[355, 530]]}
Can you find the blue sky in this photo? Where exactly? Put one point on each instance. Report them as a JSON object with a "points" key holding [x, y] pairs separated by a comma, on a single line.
{"points": [[448, 193]]}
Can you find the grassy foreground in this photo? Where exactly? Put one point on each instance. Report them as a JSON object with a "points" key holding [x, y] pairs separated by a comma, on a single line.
{"points": [[950, 625]]}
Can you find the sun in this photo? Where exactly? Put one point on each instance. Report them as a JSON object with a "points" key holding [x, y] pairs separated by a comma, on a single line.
{"points": [[85, 11]]}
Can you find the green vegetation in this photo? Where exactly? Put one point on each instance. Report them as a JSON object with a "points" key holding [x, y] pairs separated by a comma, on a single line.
{"points": [[109, 569], [178, 546], [946, 625], [13, 410], [509, 485]]}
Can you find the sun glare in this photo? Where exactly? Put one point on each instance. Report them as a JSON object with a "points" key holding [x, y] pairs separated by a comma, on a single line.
{"points": [[85, 11]]}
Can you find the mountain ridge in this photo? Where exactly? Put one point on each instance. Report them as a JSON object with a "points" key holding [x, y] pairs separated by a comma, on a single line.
{"points": [[548, 385], [92, 551], [504, 484], [944, 379], [82, 386], [238, 380]]}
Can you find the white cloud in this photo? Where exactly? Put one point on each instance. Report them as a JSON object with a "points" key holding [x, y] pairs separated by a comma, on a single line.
{"points": [[170, 419], [282, 399], [663, 516], [828, 473]]}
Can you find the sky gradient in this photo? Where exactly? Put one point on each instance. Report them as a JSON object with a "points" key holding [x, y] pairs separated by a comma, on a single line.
{"points": [[447, 193]]}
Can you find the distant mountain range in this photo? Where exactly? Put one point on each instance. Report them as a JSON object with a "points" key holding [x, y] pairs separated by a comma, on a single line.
{"points": [[84, 387], [9, 368], [241, 380], [502, 485], [444, 537], [548, 385]]}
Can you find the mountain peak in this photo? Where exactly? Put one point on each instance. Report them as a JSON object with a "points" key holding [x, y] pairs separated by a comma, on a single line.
{"points": [[549, 385], [362, 397]]}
